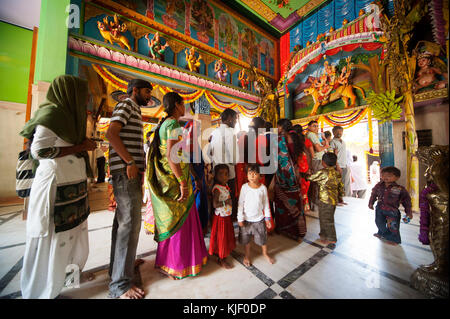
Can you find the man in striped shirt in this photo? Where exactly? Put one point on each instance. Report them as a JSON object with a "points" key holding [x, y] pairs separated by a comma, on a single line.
{"points": [[126, 162]]}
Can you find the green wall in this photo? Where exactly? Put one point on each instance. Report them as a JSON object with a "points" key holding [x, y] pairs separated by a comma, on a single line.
{"points": [[52, 40], [15, 58]]}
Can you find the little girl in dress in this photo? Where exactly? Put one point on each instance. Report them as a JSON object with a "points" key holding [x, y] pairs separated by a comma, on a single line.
{"points": [[222, 241]]}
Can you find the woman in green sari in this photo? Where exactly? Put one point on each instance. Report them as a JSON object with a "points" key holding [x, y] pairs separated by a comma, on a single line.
{"points": [[181, 249]]}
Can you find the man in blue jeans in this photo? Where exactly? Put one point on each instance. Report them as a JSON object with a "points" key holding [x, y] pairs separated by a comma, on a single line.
{"points": [[127, 163]]}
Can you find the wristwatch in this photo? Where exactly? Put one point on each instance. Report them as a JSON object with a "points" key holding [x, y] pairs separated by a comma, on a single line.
{"points": [[130, 163]]}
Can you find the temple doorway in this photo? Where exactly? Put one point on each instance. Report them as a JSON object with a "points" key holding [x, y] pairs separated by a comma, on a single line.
{"points": [[357, 139]]}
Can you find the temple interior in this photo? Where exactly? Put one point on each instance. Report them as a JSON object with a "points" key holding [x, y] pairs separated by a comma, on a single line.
{"points": [[376, 69]]}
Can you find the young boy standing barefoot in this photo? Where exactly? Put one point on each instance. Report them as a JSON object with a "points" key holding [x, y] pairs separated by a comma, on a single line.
{"points": [[331, 191], [254, 214]]}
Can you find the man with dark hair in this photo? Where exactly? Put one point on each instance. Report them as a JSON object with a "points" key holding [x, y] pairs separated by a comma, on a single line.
{"points": [[224, 148], [126, 161], [340, 149]]}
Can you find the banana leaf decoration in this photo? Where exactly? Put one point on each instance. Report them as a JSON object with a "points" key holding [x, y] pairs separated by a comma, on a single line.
{"points": [[385, 106]]}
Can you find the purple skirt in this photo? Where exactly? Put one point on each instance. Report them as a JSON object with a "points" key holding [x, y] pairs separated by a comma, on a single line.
{"points": [[183, 254]]}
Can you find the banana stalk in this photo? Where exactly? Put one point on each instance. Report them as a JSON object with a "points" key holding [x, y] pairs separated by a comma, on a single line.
{"points": [[385, 107]]}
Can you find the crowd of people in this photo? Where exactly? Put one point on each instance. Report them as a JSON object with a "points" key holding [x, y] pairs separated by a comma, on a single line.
{"points": [[262, 181]]}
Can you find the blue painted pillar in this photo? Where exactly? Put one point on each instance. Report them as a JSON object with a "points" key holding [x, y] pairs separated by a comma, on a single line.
{"points": [[385, 140]]}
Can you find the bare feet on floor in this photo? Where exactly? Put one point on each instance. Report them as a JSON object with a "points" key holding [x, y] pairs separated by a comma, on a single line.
{"points": [[246, 262], [133, 293], [166, 274], [389, 242], [138, 262], [223, 263], [87, 276], [270, 259]]}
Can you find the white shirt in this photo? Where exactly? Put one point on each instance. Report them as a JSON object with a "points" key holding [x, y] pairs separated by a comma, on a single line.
{"points": [[339, 145], [359, 177], [223, 147], [253, 204]]}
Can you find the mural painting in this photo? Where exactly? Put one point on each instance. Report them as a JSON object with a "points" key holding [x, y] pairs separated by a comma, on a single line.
{"points": [[228, 35], [249, 47], [171, 13], [333, 85], [202, 20], [202, 23]]}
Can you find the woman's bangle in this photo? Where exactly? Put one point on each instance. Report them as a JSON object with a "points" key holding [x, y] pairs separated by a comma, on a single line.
{"points": [[181, 179]]}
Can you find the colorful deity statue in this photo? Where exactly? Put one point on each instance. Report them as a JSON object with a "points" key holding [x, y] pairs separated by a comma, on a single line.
{"points": [[193, 62], [156, 48], [433, 279], [428, 73], [111, 31], [243, 79], [221, 70], [321, 88]]}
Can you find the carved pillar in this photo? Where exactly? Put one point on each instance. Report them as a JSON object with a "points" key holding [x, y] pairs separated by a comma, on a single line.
{"points": [[176, 47], [412, 164], [202, 115], [386, 145], [208, 60], [281, 101]]}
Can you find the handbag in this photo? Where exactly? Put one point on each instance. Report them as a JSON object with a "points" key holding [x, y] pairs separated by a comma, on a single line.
{"points": [[24, 174]]}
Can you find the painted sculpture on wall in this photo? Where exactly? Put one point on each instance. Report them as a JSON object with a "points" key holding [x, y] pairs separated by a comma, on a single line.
{"points": [[321, 88], [433, 279], [243, 79], [221, 70], [193, 63], [431, 71], [156, 48], [112, 32], [269, 97]]}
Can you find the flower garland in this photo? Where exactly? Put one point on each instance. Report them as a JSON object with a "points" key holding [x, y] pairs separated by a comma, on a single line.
{"points": [[345, 120], [188, 97]]}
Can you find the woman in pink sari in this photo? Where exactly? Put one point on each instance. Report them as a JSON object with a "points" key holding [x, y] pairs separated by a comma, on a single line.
{"points": [[181, 249]]}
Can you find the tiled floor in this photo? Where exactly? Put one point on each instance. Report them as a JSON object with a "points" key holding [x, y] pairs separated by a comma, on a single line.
{"points": [[360, 266]]}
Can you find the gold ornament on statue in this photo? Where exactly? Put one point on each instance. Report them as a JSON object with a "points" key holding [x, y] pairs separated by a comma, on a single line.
{"points": [[433, 279], [269, 97]]}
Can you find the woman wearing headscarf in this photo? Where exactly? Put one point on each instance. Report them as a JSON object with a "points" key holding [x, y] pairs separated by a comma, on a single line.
{"points": [[181, 249], [289, 215], [57, 231]]}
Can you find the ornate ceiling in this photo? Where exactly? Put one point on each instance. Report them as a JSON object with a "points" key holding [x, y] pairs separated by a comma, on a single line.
{"points": [[275, 16]]}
